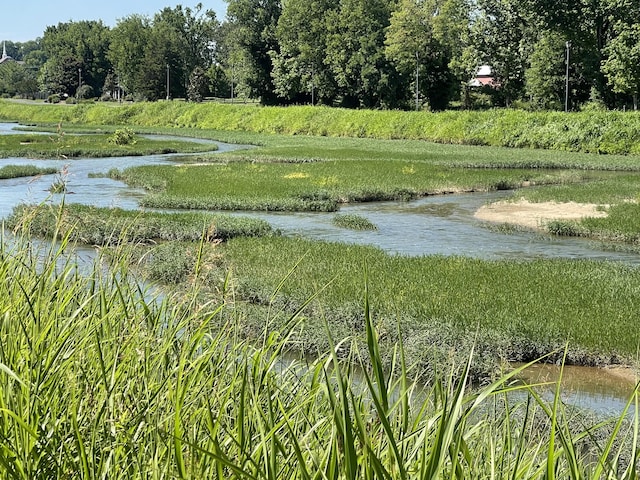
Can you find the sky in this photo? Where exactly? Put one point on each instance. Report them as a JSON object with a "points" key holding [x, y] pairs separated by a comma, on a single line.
{"points": [[24, 20]]}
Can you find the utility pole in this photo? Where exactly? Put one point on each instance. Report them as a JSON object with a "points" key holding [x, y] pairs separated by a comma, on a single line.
{"points": [[417, 82], [79, 82], [566, 87], [313, 92], [167, 81]]}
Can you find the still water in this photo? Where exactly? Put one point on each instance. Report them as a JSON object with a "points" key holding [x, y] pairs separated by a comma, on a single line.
{"points": [[437, 225]]}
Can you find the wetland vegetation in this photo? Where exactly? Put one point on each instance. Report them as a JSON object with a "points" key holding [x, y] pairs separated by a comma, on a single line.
{"points": [[239, 295], [99, 379]]}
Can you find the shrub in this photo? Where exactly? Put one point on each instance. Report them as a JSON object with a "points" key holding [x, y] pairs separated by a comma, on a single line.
{"points": [[123, 136]]}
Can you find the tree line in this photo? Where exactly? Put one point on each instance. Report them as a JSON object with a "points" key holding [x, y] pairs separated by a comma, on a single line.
{"points": [[398, 54]]}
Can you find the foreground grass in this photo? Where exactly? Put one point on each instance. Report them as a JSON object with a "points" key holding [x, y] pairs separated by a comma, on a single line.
{"points": [[99, 380]]}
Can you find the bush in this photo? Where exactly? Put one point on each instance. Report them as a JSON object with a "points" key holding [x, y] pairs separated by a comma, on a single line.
{"points": [[55, 98], [123, 136]]}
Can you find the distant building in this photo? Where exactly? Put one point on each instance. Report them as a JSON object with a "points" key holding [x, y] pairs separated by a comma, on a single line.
{"points": [[484, 78]]}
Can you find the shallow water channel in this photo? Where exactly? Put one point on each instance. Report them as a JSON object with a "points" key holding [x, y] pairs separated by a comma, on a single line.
{"points": [[437, 225]]}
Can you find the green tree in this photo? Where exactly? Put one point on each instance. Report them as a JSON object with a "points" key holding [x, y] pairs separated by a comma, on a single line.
{"points": [[198, 84], [587, 24], [422, 39], [504, 35], [219, 85], [130, 39], [17, 80], [546, 75], [251, 42], [193, 33], [622, 66], [87, 43], [62, 75], [161, 66], [299, 70], [355, 54]]}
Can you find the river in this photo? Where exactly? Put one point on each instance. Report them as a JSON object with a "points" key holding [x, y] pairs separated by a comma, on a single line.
{"points": [[436, 225]]}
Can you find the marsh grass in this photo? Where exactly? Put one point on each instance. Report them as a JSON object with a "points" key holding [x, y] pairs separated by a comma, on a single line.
{"points": [[59, 145], [109, 226], [18, 171], [353, 222], [442, 305], [319, 185], [98, 379]]}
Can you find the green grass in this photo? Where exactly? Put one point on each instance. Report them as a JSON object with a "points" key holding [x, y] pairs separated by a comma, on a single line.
{"points": [[100, 380], [108, 226], [319, 185], [61, 145], [593, 132], [353, 222], [17, 171], [439, 306]]}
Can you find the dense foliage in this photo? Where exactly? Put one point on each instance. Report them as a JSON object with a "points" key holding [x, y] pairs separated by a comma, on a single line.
{"points": [[351, 53]]}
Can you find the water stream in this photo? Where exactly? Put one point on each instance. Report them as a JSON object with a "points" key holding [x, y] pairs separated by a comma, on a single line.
{"points": [[437, 225]]}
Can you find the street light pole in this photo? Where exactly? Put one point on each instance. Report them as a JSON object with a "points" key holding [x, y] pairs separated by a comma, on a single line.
{"points": [[566, 88]]}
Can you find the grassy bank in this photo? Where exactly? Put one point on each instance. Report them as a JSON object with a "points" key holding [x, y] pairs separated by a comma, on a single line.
{"points": [[595, 132], [61, 145], [98, 380]]}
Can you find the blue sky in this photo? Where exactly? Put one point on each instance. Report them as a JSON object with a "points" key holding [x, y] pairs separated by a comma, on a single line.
{"points": [[23, 20]]}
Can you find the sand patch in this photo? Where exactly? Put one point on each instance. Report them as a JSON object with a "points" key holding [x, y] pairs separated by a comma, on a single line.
{"points": [[536, 215]]}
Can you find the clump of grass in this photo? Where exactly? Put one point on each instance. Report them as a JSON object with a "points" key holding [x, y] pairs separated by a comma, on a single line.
{"points": [[353, 222], [564, 228]]}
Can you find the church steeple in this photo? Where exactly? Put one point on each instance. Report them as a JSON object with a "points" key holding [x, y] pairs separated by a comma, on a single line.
{"points": [[4, 57]]}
